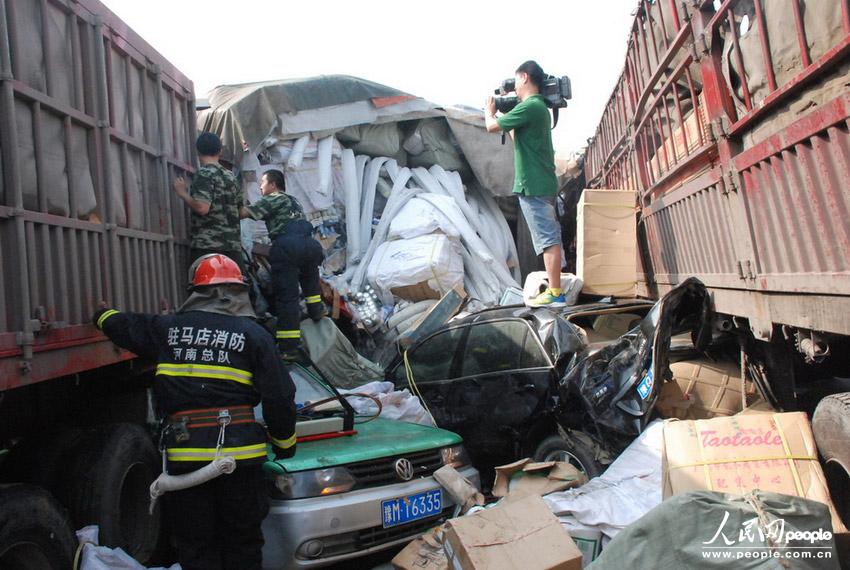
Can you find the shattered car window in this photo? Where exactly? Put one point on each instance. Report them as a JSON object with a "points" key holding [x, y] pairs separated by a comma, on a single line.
{"points": [[432, 360], [532, 355], [500, 346]]}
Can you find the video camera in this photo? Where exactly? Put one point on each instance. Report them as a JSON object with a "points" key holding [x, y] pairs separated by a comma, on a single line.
{"points": [[555, 91]]}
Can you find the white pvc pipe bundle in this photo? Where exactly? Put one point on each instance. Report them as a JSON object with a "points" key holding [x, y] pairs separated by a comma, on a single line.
{"points": [[399, 196], [352, 206], [410, 311], [296, 157], [325, 155], [490, 209], [487, 248], [489, 270], [370, 184]]}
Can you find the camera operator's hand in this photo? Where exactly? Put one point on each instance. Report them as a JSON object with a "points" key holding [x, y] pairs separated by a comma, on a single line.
{"points": [[490, 106], [490, 122]]}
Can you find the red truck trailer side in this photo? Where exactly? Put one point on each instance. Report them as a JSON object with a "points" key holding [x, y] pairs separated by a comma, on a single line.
{"points": [[730, 121], [94, 123]]}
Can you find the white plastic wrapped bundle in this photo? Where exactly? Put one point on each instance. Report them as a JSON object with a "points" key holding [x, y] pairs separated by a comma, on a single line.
{"points": [[420, 217], [434, 259]]}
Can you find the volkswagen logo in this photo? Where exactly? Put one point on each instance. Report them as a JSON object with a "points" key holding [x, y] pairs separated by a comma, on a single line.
{"points": [[404, 469]]}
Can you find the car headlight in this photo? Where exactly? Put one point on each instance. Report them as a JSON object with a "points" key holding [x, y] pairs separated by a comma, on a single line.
{"points": [[455, 456], [314, 483]]}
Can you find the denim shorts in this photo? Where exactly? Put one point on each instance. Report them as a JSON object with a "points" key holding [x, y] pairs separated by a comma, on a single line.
{"points": [[539, 212]]}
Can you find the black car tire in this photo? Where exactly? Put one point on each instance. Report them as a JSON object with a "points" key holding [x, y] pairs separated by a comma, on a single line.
{"points": [[831, 427], [109, 486], [579, 451], [35, 533]]}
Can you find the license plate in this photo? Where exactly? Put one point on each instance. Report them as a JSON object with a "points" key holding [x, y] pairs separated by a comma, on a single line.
{"points": [[412, 507]]}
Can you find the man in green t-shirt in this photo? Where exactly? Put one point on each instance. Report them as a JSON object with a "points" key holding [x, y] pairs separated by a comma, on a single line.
{"points": [[535, 182]]}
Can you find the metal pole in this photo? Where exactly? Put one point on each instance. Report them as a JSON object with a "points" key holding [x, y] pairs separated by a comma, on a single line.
{"points": [[12, 183], [112, 253]]}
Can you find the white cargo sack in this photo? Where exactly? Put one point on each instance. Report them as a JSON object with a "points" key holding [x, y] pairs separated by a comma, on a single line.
{"points": [[537, 281], [419, 217], [629, 488], [395, 404], [433, 258]]}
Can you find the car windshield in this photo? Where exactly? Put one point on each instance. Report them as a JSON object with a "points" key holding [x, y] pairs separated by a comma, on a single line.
{"points": [[308, 387]]}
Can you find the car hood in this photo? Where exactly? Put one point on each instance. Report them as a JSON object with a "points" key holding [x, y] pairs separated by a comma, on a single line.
{"points": [[373, 440]]}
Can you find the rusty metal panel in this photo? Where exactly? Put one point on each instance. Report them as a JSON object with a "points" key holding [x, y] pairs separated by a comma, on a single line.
{"points": [[798, 204], [690, 232], [94, 123], [747, 191]]}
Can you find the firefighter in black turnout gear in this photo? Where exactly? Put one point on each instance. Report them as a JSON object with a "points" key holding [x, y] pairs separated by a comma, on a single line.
{"points": [[214, 364]]}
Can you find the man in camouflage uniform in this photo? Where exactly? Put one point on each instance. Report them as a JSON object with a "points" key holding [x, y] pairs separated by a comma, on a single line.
{"points": [[214, 199], [295, 258]]}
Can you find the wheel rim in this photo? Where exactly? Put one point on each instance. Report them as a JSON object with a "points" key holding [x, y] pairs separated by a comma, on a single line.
{"points": [[565, 456], [133, 508], [25, 555]]}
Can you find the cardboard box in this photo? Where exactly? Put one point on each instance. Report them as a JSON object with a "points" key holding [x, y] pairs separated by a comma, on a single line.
{"points": [[415, 293], [516, 534], [526, 478], [606, 242], [736, 454], [673, 149], [423, 553], [704, 389], [713, 387], [437, 316]]}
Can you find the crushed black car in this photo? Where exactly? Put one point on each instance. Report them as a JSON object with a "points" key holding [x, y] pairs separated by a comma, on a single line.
{"points": [[575, 385], [493, 377]]}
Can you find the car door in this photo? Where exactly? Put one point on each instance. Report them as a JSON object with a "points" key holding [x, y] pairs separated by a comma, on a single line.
{"points": [[505, 376], [485, 381], [428, 369]]}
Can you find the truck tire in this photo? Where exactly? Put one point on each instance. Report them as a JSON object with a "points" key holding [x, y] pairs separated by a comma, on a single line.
{"points": [[35, 533], [831, 427], [109, 486], [578, 451], [43, 461]]}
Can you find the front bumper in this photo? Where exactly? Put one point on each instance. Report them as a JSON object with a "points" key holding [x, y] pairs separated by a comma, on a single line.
{"points": [[349, 525]]}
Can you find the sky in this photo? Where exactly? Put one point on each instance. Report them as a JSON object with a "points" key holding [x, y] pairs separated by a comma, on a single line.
{"points": [[449, 52]]}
